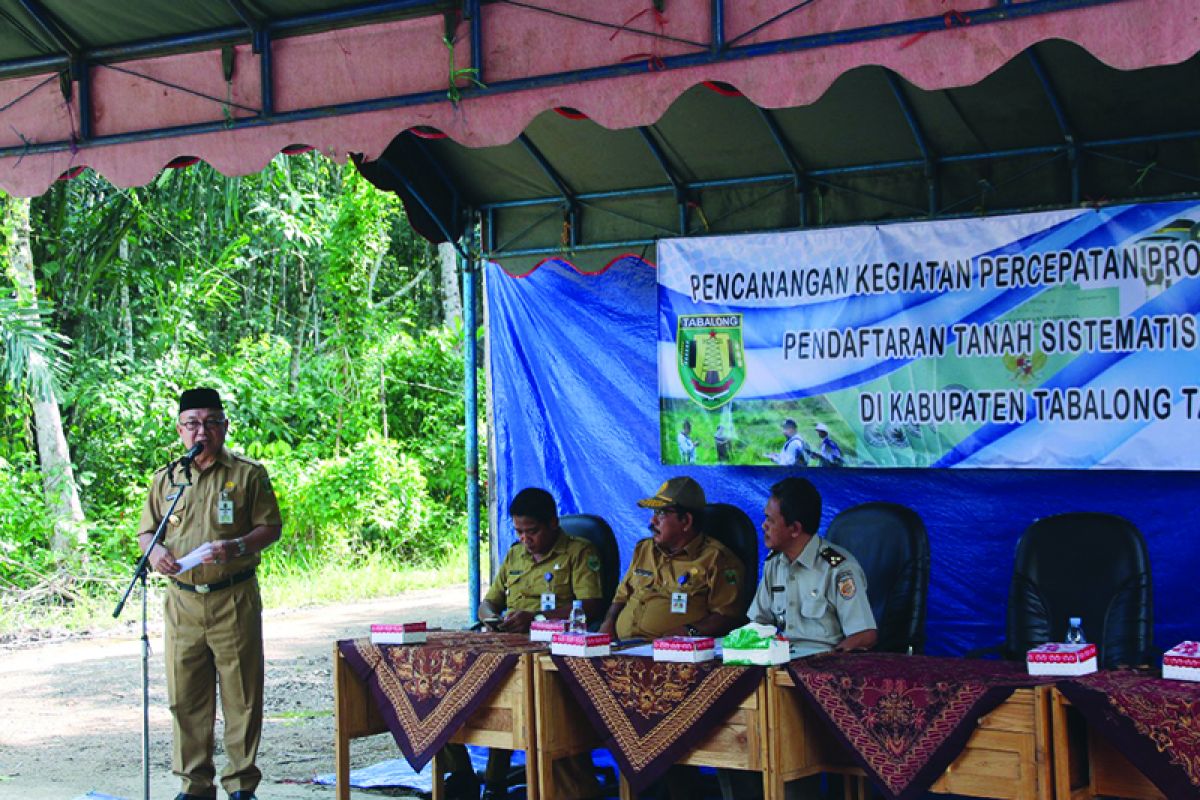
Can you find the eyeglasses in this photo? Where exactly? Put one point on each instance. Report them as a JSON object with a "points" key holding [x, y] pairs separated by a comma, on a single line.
{"points": [[662, 512], [210, 424]]}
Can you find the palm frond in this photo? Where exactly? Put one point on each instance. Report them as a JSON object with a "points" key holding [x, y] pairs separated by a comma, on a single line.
{"points": [[32, 356]]}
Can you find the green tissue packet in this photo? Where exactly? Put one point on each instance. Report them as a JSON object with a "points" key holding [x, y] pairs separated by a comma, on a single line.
{"points": [[749, 637]]}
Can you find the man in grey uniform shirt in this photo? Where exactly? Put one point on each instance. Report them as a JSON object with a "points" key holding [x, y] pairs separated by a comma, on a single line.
{"points": [[813, 591]]}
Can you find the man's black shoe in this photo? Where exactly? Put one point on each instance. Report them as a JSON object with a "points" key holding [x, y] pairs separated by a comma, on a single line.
{"points": [[242, 794], [185, 796]]}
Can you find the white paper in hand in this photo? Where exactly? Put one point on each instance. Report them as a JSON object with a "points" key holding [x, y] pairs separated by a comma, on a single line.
{"points": [[194, 558]]}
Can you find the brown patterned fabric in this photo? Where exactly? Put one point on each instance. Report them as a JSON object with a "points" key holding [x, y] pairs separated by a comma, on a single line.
{"points": [[905, 718], [425, 692], [1154, 722], [650, 713]]}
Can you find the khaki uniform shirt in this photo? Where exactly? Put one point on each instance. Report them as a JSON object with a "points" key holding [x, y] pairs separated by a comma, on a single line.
{"points": [[195, 519], [713, 577], [572, 564], [816, 600]]}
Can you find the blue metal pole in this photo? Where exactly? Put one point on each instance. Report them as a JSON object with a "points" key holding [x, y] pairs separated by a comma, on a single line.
{"points": [[476, 23], [469, 265], [266, 71], [83, 78], [918, 133], [718, 27]]}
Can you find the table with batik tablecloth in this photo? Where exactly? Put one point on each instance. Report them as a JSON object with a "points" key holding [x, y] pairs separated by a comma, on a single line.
{"points": [[912, 724], [649, 714], [472, 688], [1127, 734]]}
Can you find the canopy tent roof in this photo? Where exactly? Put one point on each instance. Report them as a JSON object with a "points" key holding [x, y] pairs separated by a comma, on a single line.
{"points": [[1053, 127], [599, 129]]}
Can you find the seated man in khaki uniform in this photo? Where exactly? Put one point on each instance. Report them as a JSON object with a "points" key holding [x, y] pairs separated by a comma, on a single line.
{"points": [[544, 575], [680, 582]]}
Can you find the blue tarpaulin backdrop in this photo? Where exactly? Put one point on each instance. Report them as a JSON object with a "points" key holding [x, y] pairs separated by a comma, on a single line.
{"points": [[574, 384]]}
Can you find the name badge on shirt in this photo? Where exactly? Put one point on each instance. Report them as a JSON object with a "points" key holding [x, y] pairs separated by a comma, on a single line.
{"points": [[679, 602], [549, 599], [224, 510]]}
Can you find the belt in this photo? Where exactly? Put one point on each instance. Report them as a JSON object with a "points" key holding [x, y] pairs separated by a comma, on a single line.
{"points": [[205, 588]]}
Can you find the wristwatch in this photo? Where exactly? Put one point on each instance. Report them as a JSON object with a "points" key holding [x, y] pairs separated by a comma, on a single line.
{"points": [[692, 630], [241, 546]]}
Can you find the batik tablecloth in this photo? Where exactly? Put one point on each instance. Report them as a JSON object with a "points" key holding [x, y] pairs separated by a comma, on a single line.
{"points": [[650, 713], [1155, 723], [905, 718], [426, 691]]}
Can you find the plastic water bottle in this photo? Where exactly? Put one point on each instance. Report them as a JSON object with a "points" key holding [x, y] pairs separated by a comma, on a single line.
{"points": [[1075, 631], [577, 622]]}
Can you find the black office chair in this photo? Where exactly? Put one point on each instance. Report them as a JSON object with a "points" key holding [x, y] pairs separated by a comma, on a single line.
{"points": [[891, 544], [1089, 565], [730, 526], [599, 533]]}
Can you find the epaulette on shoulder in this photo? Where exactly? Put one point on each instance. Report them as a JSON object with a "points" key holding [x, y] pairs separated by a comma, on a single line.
{"points": [[832, 556], [244, 459]]}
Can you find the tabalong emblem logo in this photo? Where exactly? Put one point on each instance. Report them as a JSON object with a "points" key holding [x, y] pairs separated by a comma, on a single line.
{"points": [[712, 361]]}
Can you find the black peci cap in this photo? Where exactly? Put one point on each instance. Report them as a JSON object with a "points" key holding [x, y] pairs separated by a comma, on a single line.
{"points": [[199, 398]]}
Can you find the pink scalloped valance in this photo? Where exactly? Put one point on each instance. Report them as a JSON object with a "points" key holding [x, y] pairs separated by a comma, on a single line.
{"points": [[376, 64]]}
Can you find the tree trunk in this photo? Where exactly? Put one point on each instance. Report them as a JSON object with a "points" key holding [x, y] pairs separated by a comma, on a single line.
{"points": [[297, 346], [126, 310], [58, 476], [383, 398], [451, 299]]}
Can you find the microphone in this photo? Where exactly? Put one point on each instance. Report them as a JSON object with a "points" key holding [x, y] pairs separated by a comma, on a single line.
{"points": [[191, 454]]}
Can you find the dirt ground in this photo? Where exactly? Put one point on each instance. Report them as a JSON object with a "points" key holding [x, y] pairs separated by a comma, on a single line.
{"points": [[70, 711]]}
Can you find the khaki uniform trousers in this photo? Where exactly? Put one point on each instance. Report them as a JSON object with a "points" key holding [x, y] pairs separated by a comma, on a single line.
{"points": [[215, 639]]}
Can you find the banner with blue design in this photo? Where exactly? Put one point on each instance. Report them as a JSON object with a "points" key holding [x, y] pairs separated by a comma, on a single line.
{"points": [[1063, 339]]}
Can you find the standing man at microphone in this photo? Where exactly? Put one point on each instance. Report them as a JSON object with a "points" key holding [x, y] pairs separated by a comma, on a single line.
{"points": [[212, 613]]}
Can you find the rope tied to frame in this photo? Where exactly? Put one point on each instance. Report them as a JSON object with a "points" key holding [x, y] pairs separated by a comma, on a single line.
{"points": [[951, 19], [654, 62]]}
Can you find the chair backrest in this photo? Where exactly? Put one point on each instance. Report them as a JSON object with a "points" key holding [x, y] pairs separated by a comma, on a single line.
{"points": [[730, 526], [598, 532], [1089, 565], [890, 543]]}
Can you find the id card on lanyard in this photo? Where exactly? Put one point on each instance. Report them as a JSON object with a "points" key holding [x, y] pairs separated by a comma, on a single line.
{"points": [[225, 506], [679, 599], [549, 599]]}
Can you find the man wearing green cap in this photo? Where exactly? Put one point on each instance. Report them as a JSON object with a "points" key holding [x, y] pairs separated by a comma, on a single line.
{"points": [[227, 514], [680, 582]]}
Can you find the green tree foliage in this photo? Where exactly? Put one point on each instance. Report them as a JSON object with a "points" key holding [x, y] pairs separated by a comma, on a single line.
{"points": [[25, 526], [302, 294]]}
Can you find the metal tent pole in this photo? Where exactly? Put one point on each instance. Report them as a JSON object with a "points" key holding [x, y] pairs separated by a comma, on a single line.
{"points": [[470, 265]]}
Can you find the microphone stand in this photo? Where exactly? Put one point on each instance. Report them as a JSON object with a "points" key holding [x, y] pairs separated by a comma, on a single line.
{"points": [[139, 574]]}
